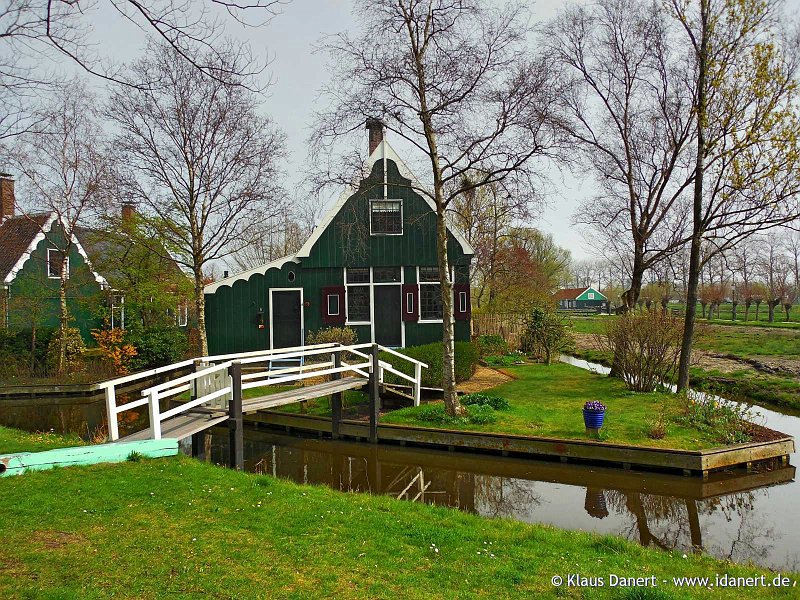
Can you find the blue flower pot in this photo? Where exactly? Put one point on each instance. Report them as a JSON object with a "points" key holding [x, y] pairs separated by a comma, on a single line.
{"points": [[593, 419]]}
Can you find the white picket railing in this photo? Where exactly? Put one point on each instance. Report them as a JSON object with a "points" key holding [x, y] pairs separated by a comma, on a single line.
{"points": [[210, 381]]}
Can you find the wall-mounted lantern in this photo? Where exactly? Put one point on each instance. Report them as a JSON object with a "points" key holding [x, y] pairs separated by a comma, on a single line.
{"points": [[307, 303], [260, 318]]}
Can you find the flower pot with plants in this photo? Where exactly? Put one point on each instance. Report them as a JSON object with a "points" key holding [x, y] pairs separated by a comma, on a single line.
{"points": [[594, 413]]}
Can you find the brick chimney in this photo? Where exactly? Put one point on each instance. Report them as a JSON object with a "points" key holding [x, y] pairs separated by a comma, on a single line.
{"points": [[128, 212], [375, 128], [6, 196]]}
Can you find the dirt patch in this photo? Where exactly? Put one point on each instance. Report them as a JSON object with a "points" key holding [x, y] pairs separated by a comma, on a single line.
{"points": [[484, 378], [56, 539], [759, 433]]}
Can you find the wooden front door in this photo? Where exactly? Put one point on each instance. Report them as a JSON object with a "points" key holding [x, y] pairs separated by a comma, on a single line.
{"points": [[387, 316], [287, 318]]}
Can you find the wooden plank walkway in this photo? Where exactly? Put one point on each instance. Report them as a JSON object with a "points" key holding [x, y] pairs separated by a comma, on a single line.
{"points": [[304, 393], [201, 418]]}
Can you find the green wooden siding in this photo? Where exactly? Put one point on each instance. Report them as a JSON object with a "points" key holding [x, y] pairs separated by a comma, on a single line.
{"points": [[33, 288], [585, 295], [232, 311]]}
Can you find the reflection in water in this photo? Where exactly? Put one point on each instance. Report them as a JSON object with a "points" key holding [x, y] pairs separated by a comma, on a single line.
{"points": [[738, 516]]}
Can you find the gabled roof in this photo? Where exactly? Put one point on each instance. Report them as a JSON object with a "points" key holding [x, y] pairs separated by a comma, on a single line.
{"points": [[19, 237], [384, 152], [261, 270], [573, 293]]}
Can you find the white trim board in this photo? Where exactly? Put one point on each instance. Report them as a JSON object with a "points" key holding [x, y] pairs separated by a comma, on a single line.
{"points": [[383, 152], [244, 275]]}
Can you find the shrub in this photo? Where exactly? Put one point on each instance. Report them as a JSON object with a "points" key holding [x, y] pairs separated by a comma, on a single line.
{"points": [[476, 414], [156, 346], [492, 345], [729, 422], [73, 355], [506, 360], [466, 361], [113, 350], [547, 334], [332, 335], [645, 346], [496, 402]]}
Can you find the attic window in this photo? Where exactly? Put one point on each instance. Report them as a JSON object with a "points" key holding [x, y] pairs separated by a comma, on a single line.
{"points": [[591, 295], [386, 217], [55, 262]]}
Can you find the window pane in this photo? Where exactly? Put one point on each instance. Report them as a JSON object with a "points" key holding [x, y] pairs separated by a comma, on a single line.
{"points": [[386, 216], [430, 301], [55, 260], [358, 303], [357, 275], [386, 274], [429, 273], [333, 304]]}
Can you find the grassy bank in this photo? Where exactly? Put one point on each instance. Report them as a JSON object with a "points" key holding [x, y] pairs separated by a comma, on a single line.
{"points": [[547, 401], [180, 528]]}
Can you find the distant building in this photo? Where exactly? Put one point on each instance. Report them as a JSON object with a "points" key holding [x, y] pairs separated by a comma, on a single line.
{"points": [[584, 298]]}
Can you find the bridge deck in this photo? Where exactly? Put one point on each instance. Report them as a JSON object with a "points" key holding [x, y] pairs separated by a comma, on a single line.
{"points": [[201, 418]]}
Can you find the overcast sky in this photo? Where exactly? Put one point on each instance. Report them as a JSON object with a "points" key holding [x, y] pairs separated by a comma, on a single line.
{"points": [[298, 73]]}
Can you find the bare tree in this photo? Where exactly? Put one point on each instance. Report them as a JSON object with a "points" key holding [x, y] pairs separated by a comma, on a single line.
{"points": [[65, 172], [746, 135], [452, 78], [196, 153], [36, 34], [628, 112]]}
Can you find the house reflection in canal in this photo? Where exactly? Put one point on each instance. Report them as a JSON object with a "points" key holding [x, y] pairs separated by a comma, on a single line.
{"points": [[724, 515]]}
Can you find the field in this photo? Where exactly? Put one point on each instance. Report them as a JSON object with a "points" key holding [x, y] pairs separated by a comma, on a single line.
{"points": [[180, 528]]}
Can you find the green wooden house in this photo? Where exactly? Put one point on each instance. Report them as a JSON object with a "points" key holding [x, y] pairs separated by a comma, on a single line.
{"points": [[370, 265], [30, 269], [584, 298]]}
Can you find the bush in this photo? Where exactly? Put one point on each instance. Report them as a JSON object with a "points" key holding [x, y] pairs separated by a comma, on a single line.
{"points": [[496, 402], [475, 415], [466, 361], [492, 345], [113, 350], [729, 422], [645, 346], [156, 346], [507, 360], [332, 335], [546, 334], [73, 355]]}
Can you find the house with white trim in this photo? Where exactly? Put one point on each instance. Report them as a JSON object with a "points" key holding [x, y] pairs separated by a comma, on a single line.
{"points": [[370, 264]]}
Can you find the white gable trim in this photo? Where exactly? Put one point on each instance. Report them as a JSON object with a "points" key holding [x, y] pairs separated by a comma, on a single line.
{"points": [[39, 237], [244, 275], [384, 152]]}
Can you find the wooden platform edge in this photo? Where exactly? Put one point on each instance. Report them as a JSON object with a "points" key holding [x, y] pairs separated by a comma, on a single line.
{"points": [[19, 463], [693, 462]]}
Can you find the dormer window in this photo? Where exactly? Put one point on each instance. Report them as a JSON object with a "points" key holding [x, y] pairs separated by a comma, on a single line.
{"points": [[386, 217], [55, 262]]}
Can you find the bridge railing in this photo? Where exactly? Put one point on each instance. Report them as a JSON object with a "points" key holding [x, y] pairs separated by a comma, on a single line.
{"points": [[212, 379]]}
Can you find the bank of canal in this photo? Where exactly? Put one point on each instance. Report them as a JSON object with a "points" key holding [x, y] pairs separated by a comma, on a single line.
{"points": [[734, 515]]}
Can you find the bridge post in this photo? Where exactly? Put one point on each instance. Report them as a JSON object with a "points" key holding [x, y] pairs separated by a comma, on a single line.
{"points": [[235, 420], [374, 397], [197, 438], [336, 399]]}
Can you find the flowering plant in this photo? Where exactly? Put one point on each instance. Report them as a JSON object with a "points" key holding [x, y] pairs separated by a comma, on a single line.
{"points": [[594, 405]]}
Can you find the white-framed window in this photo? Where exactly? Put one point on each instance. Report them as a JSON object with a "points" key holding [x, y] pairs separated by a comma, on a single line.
{"points": [[462, 302], [590, 295], [358, 295], [333, 305], [386, 217], [183, 315], [430, 294], [410, 303], [55, 262]]}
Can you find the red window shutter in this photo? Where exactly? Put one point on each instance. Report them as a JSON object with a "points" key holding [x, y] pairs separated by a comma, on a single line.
{"points": [[410, 302], [332, 305], [461, 302]]}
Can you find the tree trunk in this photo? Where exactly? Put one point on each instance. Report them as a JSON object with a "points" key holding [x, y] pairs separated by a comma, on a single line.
{"points": [[787, 308], [33, 350], [697, 205], [771, 309], [200, 307], [758, 308], [63, 321], [746, 311], [733, 311], [703, 304]]}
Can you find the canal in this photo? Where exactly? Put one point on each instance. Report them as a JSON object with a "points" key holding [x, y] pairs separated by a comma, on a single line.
{"points": [[741, 516]]}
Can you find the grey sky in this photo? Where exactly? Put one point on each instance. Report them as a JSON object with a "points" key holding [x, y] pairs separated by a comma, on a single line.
{"points": [[298, 73]]}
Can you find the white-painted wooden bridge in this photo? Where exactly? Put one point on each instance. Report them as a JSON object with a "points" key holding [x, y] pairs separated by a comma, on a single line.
{"points": [[212, 393]]}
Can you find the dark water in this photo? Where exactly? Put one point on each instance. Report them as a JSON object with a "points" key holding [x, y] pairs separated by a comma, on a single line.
{"points": [[737, 515]]}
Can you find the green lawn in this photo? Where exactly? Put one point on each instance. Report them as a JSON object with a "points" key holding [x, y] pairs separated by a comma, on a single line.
{"points": [[547, 401], [14, 440], [179, 528]]}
